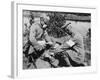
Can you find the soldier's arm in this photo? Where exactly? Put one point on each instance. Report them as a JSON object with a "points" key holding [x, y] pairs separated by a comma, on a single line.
{"points": [[32, 35], [32, 38], [79, 47]]}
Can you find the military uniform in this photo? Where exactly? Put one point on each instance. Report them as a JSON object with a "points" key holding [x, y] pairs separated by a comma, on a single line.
{"points": [[76, 53], [36, 39], [35, 33]]}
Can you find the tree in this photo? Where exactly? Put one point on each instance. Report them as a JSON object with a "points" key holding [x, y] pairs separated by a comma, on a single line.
{"points": [[57, 20]]}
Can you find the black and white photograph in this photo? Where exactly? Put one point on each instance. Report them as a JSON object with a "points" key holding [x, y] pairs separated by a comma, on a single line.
{"points": [[54, 39]]}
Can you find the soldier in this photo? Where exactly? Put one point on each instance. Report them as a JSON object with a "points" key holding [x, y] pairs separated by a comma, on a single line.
{"points": [[37, 41], [75, 47]]}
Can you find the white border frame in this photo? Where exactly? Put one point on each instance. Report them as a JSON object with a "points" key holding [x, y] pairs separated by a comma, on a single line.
{"points": [[17, 70]]}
